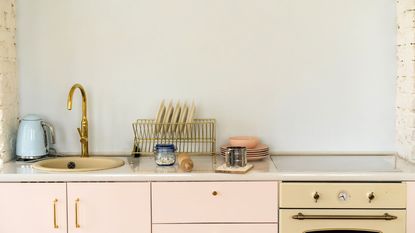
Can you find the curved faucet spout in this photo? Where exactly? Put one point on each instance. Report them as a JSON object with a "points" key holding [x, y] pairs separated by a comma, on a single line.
{"points": [[83, 93], [83, 131]]}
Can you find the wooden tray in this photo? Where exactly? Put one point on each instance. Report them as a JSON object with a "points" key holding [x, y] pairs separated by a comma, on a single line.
{"points": [[240, 170]]}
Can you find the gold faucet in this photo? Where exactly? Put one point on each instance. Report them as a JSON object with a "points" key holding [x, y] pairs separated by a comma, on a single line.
{"points": [[83, 131]]}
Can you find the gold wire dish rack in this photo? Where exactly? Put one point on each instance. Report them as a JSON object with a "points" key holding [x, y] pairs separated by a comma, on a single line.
{"points": [[197, 137]]}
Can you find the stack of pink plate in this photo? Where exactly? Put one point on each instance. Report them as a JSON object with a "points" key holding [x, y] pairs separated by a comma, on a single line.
{"points": [[259, 152]]}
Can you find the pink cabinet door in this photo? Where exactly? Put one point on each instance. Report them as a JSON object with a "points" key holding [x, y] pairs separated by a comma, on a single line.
{"points": [[215, 202], [109, 208], [410, 208], [215, 228], [33, 207]]}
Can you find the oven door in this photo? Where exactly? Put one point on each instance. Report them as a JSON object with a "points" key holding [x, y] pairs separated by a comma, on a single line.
{"points": [[342, 221]]}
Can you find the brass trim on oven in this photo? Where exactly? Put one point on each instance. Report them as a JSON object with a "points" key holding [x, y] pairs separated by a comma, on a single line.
{"points": [[386, 216], [342, 229]]}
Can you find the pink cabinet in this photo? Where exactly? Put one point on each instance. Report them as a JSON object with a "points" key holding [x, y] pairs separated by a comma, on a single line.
{"points": [[215, 228], [33, 207], [215, 202], [220, 207], [109, 208]]}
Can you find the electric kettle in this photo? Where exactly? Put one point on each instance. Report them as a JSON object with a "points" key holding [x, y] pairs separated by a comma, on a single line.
{"points": [[34, 137]]}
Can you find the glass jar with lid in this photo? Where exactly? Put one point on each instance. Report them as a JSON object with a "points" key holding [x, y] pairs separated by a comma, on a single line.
{"points": [[165, 154]]}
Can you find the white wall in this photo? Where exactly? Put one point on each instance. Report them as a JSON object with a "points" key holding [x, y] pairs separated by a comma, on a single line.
{"points": [[303, 75]]}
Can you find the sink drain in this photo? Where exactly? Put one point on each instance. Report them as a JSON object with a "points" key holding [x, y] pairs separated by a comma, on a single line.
{"points": [[71, 165]]}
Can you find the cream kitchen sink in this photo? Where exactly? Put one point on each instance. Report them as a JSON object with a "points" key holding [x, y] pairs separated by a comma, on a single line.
{"points": [[78, 164]]}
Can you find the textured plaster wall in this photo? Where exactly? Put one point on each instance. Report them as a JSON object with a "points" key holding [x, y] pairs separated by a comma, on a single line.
{"points": [[8, 79], [405, 124]]}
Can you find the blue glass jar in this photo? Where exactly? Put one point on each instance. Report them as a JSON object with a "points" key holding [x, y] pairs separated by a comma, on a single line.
{"points": [[165, 154]]}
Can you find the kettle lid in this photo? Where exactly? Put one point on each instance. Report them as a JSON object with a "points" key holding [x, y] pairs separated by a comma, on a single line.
{"points": [[31, 117]]}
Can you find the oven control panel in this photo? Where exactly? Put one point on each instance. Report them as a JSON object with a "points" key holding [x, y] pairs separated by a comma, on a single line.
{"points": [[342, 195]]}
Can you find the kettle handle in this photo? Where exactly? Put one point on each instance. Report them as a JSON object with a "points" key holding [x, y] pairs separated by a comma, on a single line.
{"points": [[51, 129]]}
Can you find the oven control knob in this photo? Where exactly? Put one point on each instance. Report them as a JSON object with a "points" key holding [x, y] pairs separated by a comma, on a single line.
{"points": [[316, 196], [371, 196], [343, 196]]}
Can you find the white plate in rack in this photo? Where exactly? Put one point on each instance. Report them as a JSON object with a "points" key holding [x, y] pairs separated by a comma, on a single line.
{"points": [[182, 119], [168, 117], [190, 117], [160, 116], [176, 117]]}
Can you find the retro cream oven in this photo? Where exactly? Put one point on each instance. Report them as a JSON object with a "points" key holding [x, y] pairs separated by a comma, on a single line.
{"points": [[342, 207]]}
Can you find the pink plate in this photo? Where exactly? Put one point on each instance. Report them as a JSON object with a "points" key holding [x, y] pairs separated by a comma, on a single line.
{"points": [[252, 158], [256, 158], [260, 147], [249, 152], [246, 141], [252, 155], [257, 155]]}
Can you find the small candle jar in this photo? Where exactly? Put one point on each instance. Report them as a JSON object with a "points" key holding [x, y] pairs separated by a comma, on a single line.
{"points": [[165, 154]]}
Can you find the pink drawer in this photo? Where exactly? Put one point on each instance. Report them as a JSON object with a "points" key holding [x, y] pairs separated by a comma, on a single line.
{"points": [[207, 202], [217, 228]]}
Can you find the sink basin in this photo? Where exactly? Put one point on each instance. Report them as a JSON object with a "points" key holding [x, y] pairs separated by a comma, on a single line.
{"points": [[78, 164]]}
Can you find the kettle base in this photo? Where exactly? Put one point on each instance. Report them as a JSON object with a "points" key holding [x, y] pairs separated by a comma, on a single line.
{"points": [[31, 158]]}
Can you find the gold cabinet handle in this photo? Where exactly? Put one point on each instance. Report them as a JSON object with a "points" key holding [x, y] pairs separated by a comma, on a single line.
{"points": [[76, 213], [214, 193], [55, 222]]}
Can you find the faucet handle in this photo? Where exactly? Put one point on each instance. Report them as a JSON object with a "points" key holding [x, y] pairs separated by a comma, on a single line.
{"points": [[79, 131], [83, 140]]}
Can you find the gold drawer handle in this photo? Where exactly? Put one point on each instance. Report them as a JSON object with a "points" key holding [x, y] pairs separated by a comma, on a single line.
{"points": [[55, 222], [214, 193], [76, 213], [386, 216]]}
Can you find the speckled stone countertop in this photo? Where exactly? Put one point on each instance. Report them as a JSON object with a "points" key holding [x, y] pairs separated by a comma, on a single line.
{"points": [[270, 169]]}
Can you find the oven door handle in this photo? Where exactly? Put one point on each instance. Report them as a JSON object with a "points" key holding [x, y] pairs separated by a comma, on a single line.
{"points": [[386, 216]]}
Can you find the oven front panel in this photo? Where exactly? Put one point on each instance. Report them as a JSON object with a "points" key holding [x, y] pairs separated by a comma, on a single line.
{"points": [[341, 221]]}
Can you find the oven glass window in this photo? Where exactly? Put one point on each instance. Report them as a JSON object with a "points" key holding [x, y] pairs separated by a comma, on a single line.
{"points": [[342, 231]]}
